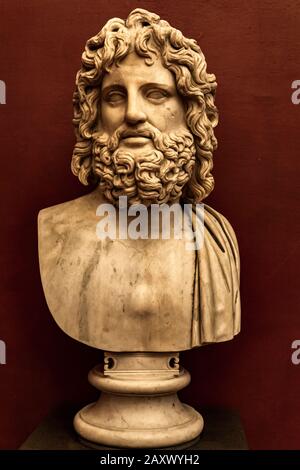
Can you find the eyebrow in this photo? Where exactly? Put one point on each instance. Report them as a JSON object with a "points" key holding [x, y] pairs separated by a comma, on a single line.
{"points": [[158, 85]]}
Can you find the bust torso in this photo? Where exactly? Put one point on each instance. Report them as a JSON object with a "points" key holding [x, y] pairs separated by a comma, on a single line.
{"points": [[117, 295], [144, 116]]}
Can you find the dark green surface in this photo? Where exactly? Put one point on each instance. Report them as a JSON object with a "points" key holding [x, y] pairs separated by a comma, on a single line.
{"points": [[222, 430]]}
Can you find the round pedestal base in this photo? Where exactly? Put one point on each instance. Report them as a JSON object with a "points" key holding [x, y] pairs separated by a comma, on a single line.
{"points": [[184, 446], [139, 411]]}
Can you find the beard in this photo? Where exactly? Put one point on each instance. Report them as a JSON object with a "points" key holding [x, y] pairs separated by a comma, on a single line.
{"points": [[146, 176]]}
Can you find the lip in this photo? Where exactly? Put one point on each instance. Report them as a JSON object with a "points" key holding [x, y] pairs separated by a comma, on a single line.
{"points": [[135, 139]]}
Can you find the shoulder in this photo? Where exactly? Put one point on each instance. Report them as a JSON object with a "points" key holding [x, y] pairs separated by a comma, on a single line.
{"points": [[222, 231], [68, 211], [221, 220], [70, 221]]}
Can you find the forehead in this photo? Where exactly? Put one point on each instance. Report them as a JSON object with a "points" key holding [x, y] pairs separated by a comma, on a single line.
{"points": [[134, 71]]}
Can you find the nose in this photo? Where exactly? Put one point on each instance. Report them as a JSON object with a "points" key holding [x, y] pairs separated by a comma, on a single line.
{"points": [[135, 113]]}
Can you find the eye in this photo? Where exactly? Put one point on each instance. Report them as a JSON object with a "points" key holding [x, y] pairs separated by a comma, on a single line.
{"points": [[156, 95], [114, 97]]}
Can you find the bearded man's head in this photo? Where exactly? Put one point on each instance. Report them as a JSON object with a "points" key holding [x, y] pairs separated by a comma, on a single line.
{"points": [[144, 113]]}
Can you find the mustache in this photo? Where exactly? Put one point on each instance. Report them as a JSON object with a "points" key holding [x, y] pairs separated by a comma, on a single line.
{"points": [[124, 131], [169, 144]]}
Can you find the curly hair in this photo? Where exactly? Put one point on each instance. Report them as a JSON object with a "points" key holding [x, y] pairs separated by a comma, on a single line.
{"points": [[150, 37]]}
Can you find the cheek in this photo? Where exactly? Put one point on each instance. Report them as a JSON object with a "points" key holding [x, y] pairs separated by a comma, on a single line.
{"points": [[166, 117], [110, 117], [174, 117]]}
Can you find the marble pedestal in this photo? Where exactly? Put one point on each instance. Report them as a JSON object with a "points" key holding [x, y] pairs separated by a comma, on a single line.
{"points": [[223, 430], [139, 406]]}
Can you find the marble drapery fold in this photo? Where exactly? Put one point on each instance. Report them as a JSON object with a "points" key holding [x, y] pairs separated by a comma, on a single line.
{"points": [[217, 310]]}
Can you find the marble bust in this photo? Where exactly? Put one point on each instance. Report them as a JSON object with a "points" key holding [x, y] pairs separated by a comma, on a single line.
{"points": [[144, 116]]}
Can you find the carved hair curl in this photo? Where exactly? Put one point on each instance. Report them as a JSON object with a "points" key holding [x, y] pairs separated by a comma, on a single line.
{"points": [[149, 37]]}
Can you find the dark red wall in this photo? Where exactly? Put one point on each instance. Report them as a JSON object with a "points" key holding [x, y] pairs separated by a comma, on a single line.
{"points": [[254, 50]]}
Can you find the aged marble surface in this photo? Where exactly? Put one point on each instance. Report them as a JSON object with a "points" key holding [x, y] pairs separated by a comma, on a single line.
{"points": [[144, 117], [137, 295], [139, 406]]}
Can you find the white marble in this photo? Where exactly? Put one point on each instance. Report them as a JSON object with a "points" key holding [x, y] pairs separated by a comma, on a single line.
{"points": [[144, 117], [139, 407], [137, 295]]}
